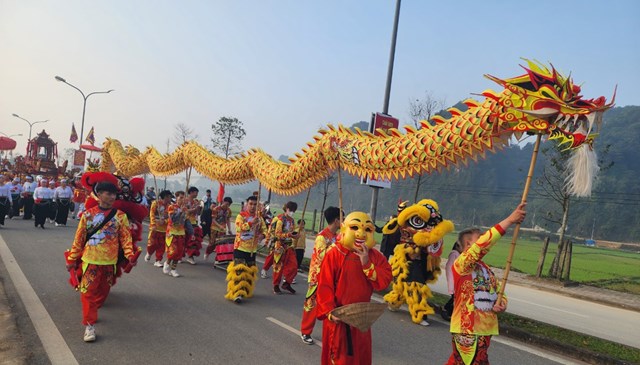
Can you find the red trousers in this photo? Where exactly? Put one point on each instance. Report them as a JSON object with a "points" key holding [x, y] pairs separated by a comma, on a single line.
{"points": [[287, 266], [308, 315], [268, 262], [175, 250], [156, 244], [94, 289]]}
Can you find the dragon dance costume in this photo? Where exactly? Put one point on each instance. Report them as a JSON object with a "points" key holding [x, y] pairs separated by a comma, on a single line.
{"points": [[284, 257], [158, 216], [476, 290], [175, 238], [193, 242], [220, 217], [242, 272]]}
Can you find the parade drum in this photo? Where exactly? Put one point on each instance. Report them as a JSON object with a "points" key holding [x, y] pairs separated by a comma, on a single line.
{"points": [[360, 315], [224, 251]]}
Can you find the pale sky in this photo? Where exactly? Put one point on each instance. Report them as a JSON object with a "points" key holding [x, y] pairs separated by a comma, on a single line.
{"points": [[286, 68]]}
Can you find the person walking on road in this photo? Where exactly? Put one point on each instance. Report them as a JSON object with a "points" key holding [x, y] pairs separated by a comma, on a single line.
{"points": [[475, 308], [27, 197], [176, 232], [5, 198], [158, 217], [324, 240], [43, 199], [62, 196], [102, 232]]}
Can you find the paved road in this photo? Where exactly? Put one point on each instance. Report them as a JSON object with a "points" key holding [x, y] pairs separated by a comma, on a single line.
{"points": [[152, 318]]}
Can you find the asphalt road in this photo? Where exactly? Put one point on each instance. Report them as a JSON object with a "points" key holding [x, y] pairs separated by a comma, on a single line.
{"points": [[153, 318]]}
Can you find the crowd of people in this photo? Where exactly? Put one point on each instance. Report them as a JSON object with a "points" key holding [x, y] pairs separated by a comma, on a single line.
{"points": [[41, 199], [344, 268]]}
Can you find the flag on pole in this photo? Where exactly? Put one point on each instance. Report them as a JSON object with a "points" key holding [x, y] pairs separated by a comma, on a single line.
{"points": [[220, 193], [74, 134], [91, 138]]}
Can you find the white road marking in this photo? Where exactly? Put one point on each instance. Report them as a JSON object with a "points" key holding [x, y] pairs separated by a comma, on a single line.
{"points": [[547, 307], [53, 342], [291, 329], [534, 351]]}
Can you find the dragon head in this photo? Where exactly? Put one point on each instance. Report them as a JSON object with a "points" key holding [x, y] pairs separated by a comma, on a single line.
{"points": [[544, 101]]}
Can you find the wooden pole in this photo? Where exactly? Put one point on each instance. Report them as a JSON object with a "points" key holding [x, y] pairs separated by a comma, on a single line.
{"points": [[516, 230], [304, 209], [340, 193]]}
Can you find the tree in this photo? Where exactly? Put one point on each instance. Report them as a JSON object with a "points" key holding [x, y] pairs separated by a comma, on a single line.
{"points": [[552, 185], [228, 134], [419, 110], [181, 134]]}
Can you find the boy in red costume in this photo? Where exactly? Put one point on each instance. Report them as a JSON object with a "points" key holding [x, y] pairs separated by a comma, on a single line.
{"points": [[220, 224], [158, 217], [324, 241], [350, 272], [284, 257], [101, 232], [475, 309], [193, 237], [175, 237]]}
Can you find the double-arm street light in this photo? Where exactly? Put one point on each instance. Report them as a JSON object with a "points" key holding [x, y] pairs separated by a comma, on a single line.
{"points": [[30, 124], [13, 135], [84, 106]]}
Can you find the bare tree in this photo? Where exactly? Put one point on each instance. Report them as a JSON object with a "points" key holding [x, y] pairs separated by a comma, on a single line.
{"points": [[419, 110], [325, 190], [228, 134], [183, 133], [552, 185]]}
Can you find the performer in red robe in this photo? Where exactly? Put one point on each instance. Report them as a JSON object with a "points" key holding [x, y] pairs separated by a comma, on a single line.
{"points": [[350, 272]]}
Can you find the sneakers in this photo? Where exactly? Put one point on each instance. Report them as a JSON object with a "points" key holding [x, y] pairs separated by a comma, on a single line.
{"points": [[263, 274], [287, 287], [392, 309], [89, 333], [58, 225], [166, 268], [206, 255], [307, 339], [157, 264], [238, 299], [190, 260], [276, 290], [174, 273], [424, 323], [294, 281], [147, 257]]}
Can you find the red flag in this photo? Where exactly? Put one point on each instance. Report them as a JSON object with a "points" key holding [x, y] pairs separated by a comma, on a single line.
{"points": [[221, 193], [74, 134]]}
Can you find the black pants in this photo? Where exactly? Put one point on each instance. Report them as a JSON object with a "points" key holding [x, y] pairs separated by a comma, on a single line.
{"points": [[4, 208], [449, 306], [41, 211], [63, 211], [15, 206], [52, 210], [28, 207], [246, 258], [299, 256]]}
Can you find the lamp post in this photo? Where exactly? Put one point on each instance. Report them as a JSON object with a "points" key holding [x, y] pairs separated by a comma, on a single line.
{"points": [[84, 106], [30, 124]]}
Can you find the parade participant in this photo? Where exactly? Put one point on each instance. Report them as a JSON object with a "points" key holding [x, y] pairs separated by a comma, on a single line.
{"points": [[62, 197], [416, 259], [205, 217], [43, 198], [16, 201], [475, 309], [5, 198], [193, 237], [447, 309], [79, 197], [28, 189], [350, 272], [242, 272], [158, 217], [102, 231], [53, 208], [300, 244], [220, 223], [175, 237], [324, 240], [284, 259]]}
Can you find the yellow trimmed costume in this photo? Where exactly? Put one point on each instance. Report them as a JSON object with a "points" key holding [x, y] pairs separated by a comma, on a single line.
{"points": [[416, 259]]}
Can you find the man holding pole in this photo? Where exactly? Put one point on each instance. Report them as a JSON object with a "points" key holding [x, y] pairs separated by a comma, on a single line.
{"points": [[476, 302]]}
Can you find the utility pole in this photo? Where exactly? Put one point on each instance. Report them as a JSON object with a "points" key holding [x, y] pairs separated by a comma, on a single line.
{"points": [[387, 95]]}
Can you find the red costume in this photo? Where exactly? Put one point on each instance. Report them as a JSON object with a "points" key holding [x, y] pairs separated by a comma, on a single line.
{"points": [[284, 257], [343, 281]]}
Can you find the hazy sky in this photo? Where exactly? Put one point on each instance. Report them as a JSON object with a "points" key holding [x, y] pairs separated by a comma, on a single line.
{"points": [[286, 68]]}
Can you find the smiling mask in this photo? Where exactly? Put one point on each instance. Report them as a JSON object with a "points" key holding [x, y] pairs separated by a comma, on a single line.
{"points": [[357, 231]]}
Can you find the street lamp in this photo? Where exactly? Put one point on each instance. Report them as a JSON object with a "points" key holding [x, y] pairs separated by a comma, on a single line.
{"points": [[30, 124], [84, 106]]}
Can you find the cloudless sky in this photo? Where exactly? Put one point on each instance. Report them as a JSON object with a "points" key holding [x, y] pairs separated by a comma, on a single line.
{"points": [[286, 68]]}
